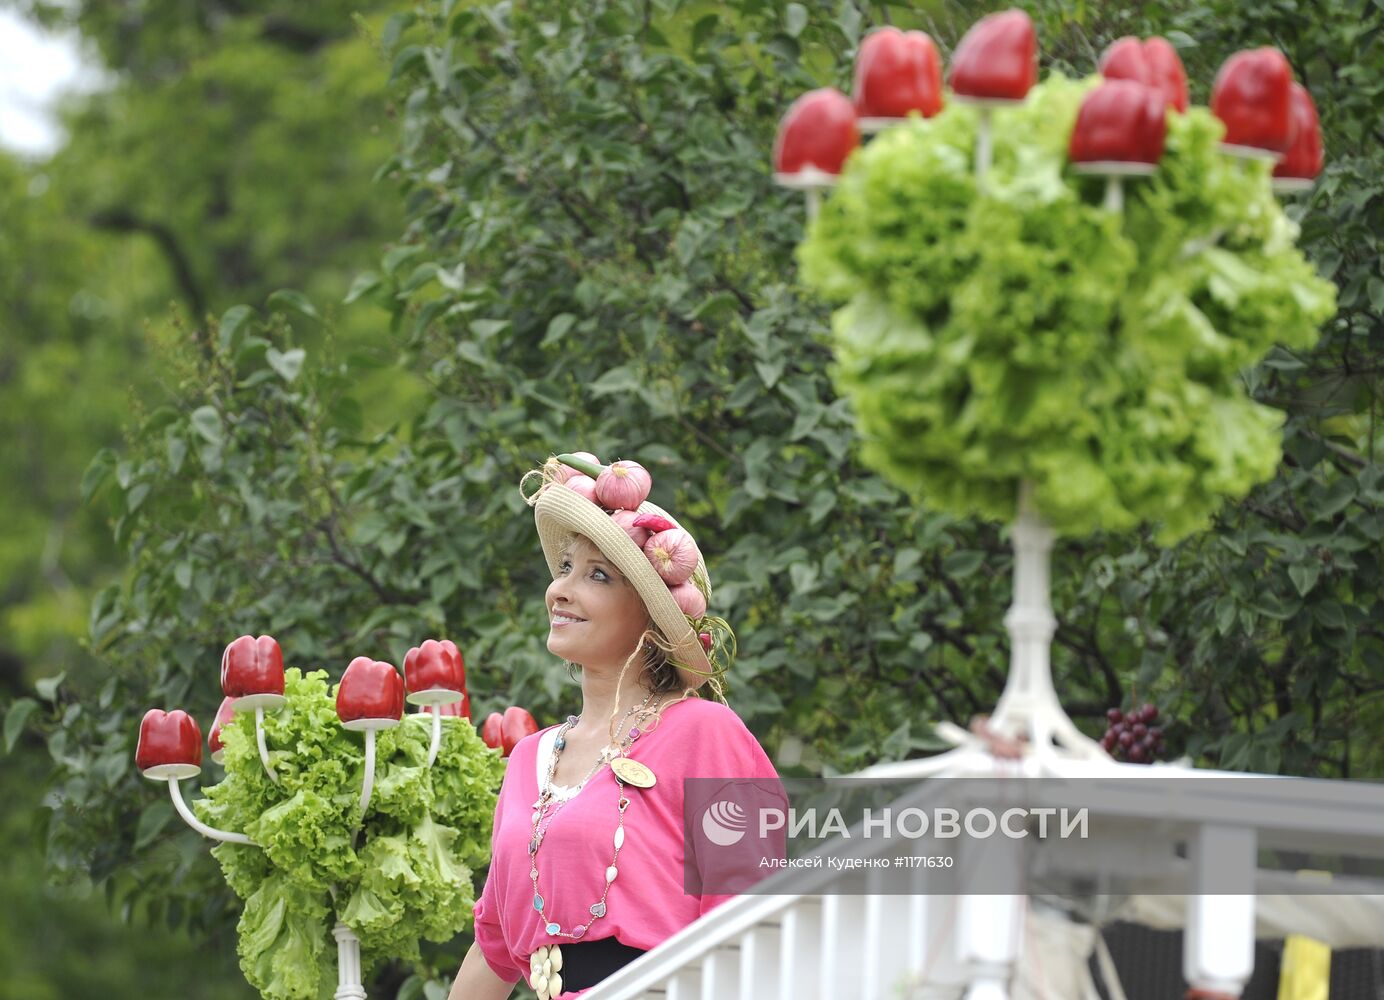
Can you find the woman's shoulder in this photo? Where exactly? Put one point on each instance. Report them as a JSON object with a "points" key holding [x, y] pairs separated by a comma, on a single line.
{"points": [[701, 717]]}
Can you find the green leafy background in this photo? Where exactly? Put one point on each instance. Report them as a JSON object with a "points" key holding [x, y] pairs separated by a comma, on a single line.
{"points": [[556, 229]]}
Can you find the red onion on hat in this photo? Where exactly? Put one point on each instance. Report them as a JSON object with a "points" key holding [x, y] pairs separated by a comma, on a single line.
{"points": [[623, 485], [628, 519], [583, 485], [673, 555], [689, 598]]}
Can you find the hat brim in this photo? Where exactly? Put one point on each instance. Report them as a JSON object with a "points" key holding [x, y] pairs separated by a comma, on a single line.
{"points": [[561, 513]]}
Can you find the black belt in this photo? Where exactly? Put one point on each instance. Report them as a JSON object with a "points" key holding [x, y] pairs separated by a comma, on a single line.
{"points": [[586, 963]]}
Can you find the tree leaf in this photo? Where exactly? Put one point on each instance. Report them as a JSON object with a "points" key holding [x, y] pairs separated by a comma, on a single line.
{"points": [[152, 819], [960, 565], [233, 320], [1304, 576], [15, 717], [47, 687], [288, 363], [557, 328], [795, 19], [292, 300], [364, 283], [206, 421]]}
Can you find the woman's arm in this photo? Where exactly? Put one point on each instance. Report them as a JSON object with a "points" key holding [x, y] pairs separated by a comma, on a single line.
{"points": [[477, 981]]}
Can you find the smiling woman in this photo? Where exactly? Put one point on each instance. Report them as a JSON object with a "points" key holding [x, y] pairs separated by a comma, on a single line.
{"points": [[590, 868]]}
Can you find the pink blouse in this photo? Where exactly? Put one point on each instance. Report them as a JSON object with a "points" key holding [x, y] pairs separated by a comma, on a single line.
{"points": [[694, 738]]}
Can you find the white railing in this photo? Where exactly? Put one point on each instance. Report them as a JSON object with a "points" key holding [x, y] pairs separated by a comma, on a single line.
{"points": [[816, 943]]}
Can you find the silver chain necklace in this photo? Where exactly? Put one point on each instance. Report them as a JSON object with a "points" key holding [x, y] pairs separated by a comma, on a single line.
{"points": [[546, 798]]}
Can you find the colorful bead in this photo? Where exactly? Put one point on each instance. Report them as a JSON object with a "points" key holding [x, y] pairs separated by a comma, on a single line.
{"points": [[598, 909], [538, 903], [554, 928], [579, 930]]}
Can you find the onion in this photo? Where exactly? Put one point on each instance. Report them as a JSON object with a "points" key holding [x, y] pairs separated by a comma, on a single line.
{"points": [[624, 485], [626, 519], [690, 599], [673, 554], [583, 485]]}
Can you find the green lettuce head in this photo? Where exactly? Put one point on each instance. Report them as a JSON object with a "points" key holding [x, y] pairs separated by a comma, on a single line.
{"points": [[402, 876], [1024, 333]]}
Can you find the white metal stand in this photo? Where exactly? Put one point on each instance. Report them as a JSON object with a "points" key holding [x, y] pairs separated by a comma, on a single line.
{"points": [[348, 971]]}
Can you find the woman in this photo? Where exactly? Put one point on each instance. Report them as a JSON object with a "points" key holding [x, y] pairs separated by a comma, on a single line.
{"points": [[589, 866]]}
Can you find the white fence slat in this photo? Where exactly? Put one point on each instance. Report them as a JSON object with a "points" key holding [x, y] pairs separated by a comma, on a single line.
{"points": [[842, 944], [721, 973], [759, 961], [801, 932], [686, 984]]}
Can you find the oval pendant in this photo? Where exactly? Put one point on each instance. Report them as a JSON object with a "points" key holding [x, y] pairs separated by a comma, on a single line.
{"points": [[619, 838], [631, 772], [553, 928], [538, 903], [611, 872]]}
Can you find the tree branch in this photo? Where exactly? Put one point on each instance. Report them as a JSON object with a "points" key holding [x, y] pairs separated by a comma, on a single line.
{"points": [[122, 220]]}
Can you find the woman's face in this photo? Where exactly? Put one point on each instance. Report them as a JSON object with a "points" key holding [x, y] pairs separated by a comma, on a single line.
{"points": [[596, 617]]}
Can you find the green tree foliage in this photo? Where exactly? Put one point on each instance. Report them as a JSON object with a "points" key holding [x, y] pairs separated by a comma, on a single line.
{"points": [[233, 154], [595, 258]]}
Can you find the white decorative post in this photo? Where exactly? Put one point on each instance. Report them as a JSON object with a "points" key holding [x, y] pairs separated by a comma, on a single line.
{"points": [[1029, 705], [1218, 942], [348, 971]]}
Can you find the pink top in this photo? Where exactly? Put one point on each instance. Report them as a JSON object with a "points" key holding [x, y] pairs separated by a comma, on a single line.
{"points": [[694, 738]]}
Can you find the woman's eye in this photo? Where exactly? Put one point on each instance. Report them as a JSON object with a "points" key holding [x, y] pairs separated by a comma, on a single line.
{"points": [[602, 573]]}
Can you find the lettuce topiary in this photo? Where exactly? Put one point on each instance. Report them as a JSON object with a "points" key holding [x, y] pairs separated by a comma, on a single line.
{"points": [[1022, 332], [401, 876]]}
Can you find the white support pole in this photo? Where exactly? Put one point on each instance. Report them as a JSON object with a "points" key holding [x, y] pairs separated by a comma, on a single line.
{"points": [[348, 970], [436, 734], [985, 146], [1218, 943], [368, 785], [989, 927], [263, 747], [1029, 704], [175, 790], [814, 203], [1114, 195]]}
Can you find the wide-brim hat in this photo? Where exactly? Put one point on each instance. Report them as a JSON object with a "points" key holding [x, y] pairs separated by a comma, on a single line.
{"points": [[561, 513]]}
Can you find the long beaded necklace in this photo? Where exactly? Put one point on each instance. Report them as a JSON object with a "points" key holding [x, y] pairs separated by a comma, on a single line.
{"points": [[546, 798]]}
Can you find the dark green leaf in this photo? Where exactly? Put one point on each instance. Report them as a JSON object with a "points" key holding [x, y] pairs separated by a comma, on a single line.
{"points": [[18, 714], [291, 300]]}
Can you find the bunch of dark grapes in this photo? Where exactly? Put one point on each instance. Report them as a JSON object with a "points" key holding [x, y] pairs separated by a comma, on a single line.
{"points": [[1132, 736]]}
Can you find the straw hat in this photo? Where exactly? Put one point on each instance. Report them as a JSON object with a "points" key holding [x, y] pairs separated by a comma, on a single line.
{"points": [[561, 513]]}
